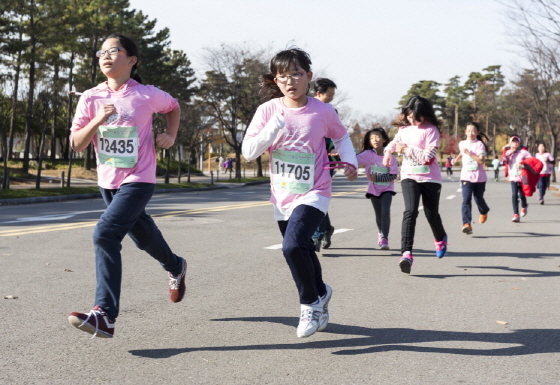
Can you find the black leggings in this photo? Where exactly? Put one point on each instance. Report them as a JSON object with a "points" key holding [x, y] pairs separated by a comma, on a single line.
{"points": [[412, 191]]}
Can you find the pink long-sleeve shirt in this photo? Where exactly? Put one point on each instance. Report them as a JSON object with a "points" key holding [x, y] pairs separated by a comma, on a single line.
{"points": [[471, 170], [419, 161], [135, 104]]}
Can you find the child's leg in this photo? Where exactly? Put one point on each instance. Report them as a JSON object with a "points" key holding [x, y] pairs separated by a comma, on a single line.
{"points": [[124, 207], [478, 192], [514, 197], [430, 199], [299, 252], [386, 200], [411, 195], [466, 207], [376, 203]]}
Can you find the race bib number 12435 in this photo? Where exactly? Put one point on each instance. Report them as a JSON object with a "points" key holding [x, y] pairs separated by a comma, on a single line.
{"points": [[117, 146]]}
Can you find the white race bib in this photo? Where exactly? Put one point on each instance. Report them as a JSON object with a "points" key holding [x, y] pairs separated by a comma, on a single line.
{"points": [[117, 146], [292, 171], [412, 167], [469, 163]]}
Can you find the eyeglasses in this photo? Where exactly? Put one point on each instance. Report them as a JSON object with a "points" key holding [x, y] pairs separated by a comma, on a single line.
{"points": [[283, 79], [113, 51]]}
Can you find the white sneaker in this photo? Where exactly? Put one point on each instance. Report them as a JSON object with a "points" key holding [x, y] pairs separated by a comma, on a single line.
{"points": [[309, 319], [324, 319]]}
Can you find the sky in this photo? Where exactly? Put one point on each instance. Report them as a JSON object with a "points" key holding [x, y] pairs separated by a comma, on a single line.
{"points": [[374, 50]]}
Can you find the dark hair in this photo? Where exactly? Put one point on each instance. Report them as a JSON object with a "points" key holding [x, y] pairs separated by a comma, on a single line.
{"points": [[322, 85], [480, 135], [131, 50], [366, 145], [280, 63], [421, 108]]}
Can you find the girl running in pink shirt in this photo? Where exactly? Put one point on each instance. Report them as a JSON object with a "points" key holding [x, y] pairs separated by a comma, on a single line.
{"points": [[513, 158], [548, 165], [292, 127], [473, 175], [381, 186], [116, 116], [418, 140]]}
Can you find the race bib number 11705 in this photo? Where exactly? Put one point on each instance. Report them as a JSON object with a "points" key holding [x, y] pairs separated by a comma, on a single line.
{"points": [[293, 172]]}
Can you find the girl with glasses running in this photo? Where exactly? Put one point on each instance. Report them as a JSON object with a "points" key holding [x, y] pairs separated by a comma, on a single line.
{"points": [[418, 140], [116, 116], [292, 128]]}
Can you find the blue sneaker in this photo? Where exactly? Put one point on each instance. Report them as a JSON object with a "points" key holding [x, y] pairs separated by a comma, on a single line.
{"points": [[441, 247]]}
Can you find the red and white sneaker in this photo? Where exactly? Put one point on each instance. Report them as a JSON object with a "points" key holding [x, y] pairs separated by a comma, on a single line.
{"points": [[524, 211], [515, 218], [96, 322], [177, 285]]}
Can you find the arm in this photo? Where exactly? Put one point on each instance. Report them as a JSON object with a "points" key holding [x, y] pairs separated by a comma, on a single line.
{"points": [[347, 154], [83, 137], [167, 138], [479, 158], [456, 159], [253, 147]]}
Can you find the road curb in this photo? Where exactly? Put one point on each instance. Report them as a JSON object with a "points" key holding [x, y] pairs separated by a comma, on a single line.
{"points": [[19, 201]]}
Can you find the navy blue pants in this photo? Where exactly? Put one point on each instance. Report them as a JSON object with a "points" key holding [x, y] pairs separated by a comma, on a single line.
{"points": [[516, 196], [126, 214], [299, 251], [542, 185], [471, 190]]}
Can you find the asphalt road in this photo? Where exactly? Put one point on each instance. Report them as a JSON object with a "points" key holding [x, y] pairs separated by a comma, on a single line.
{"points": [[487, 313]]}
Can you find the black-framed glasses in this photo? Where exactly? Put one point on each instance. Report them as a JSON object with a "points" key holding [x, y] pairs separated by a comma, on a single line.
{"points": [[284, 78], [113, 51]]}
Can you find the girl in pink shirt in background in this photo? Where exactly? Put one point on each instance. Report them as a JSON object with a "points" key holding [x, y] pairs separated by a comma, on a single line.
{"points": [[292, 127], [548, 165], [381, 186], [473, 175], [513, 158], [418, 140], [116, 116]]}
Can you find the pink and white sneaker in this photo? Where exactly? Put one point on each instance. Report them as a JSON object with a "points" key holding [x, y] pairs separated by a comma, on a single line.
{"points": [[405, 263]]}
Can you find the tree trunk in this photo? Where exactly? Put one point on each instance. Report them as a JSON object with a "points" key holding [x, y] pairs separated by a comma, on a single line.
{"points": [[259, 166], [30, 97], [40, 157], [55, 110], [167, 160], [14, 104], [179, 165]]}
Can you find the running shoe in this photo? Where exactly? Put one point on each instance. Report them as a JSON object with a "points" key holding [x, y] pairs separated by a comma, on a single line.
{"points": [[482, 218], [441, 247], [326, 242], [541, 201], [384, 244], [309, 319], [405, 263], [177, 284], [515, 218], [317, 244], [524, 211], [467, 229], [95, 322], [324, 300]]}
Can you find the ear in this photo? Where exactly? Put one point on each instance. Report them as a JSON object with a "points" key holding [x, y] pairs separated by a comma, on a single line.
{"points": [[133, 60], [309, 75]]}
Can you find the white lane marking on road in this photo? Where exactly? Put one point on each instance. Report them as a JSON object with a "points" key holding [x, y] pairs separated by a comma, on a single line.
{"points": [[52, 217], [451, 197], [279, 246]]}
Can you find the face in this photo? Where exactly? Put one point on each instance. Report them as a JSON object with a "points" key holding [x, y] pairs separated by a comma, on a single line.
{"points": [[295, 89], [540, 148], [413, 121], [471, 132], [376, 140], [115, 65], [514, 144], [327, 96]]}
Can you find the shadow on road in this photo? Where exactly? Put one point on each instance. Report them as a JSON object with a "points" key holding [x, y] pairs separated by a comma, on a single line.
{"points": [[508, 272], [372, 340]]}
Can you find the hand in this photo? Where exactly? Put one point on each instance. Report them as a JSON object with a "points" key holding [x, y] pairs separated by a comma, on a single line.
{"points": [[400, 148], [372, 177], [466, 152], [350, 172], [453, 161], [105, 111], [509, 152], [165, 140], [278, 120], [387, 159]]}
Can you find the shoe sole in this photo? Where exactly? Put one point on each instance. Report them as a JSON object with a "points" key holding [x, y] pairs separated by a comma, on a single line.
{"points": [[323, 324], [385, 248], [466, 230], [405, 266], [86, 327]]}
